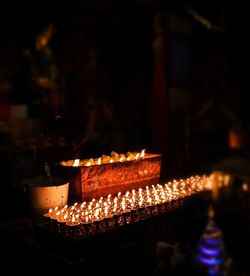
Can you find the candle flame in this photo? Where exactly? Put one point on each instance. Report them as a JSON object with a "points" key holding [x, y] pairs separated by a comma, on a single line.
{"points": [[88, 164], [111, 160], [142, 153], [50, 210], [76, 163], [99, 161], [106, 210], [245, 187], [137, 156]]}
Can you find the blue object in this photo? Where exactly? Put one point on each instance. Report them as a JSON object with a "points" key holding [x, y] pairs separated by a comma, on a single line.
{"points": [[210, 249]]}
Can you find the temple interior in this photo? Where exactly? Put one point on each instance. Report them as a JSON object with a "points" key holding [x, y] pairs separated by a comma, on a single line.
{"points": [[124, 138]]}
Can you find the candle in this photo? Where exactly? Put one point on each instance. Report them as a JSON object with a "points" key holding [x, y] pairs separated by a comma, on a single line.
{"points": [[99, 215]]}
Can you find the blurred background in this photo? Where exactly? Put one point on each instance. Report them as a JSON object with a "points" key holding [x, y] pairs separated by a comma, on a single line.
{"points": [[84, 78]]}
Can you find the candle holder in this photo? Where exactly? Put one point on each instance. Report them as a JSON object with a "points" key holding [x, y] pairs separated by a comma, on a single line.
{"points": [[135, 215], [61, 226], [91, 229], [147, 212], [110, 222], [82, 231], [100, 225], [142, 212], [160, 208], [127, 216], [86, 228], [155, 210], [167, 206], [103, 214], [119, 220], [91, 180], [72, 230]]}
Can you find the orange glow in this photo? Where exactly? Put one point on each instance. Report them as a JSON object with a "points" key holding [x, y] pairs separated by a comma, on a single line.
{"points": [[245, 187], [100, 208], [76, 163]]}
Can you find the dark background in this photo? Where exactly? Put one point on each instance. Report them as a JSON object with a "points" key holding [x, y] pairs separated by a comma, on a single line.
{"points": [[156, 75], [186, 98]]}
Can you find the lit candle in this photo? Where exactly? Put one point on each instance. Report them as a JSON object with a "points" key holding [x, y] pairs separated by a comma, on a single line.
{"points": [[76, 163], [142, 153], [48, 215], [73, 222]]}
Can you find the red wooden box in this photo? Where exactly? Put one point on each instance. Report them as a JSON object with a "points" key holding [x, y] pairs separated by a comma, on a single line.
{"points": [[95, 181]]}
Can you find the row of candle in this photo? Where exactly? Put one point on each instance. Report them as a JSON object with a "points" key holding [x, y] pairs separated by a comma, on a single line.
{"points": [[100, 215], [105, 159]]}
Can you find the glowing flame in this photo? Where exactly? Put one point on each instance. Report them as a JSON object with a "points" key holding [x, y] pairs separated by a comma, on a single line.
{"points": [[50, 210], [111, 160], [88, 164], [99, 161], [76, 163], [137, 156], [245, 187], [142, 153], [83, 204], [106, 210]]}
